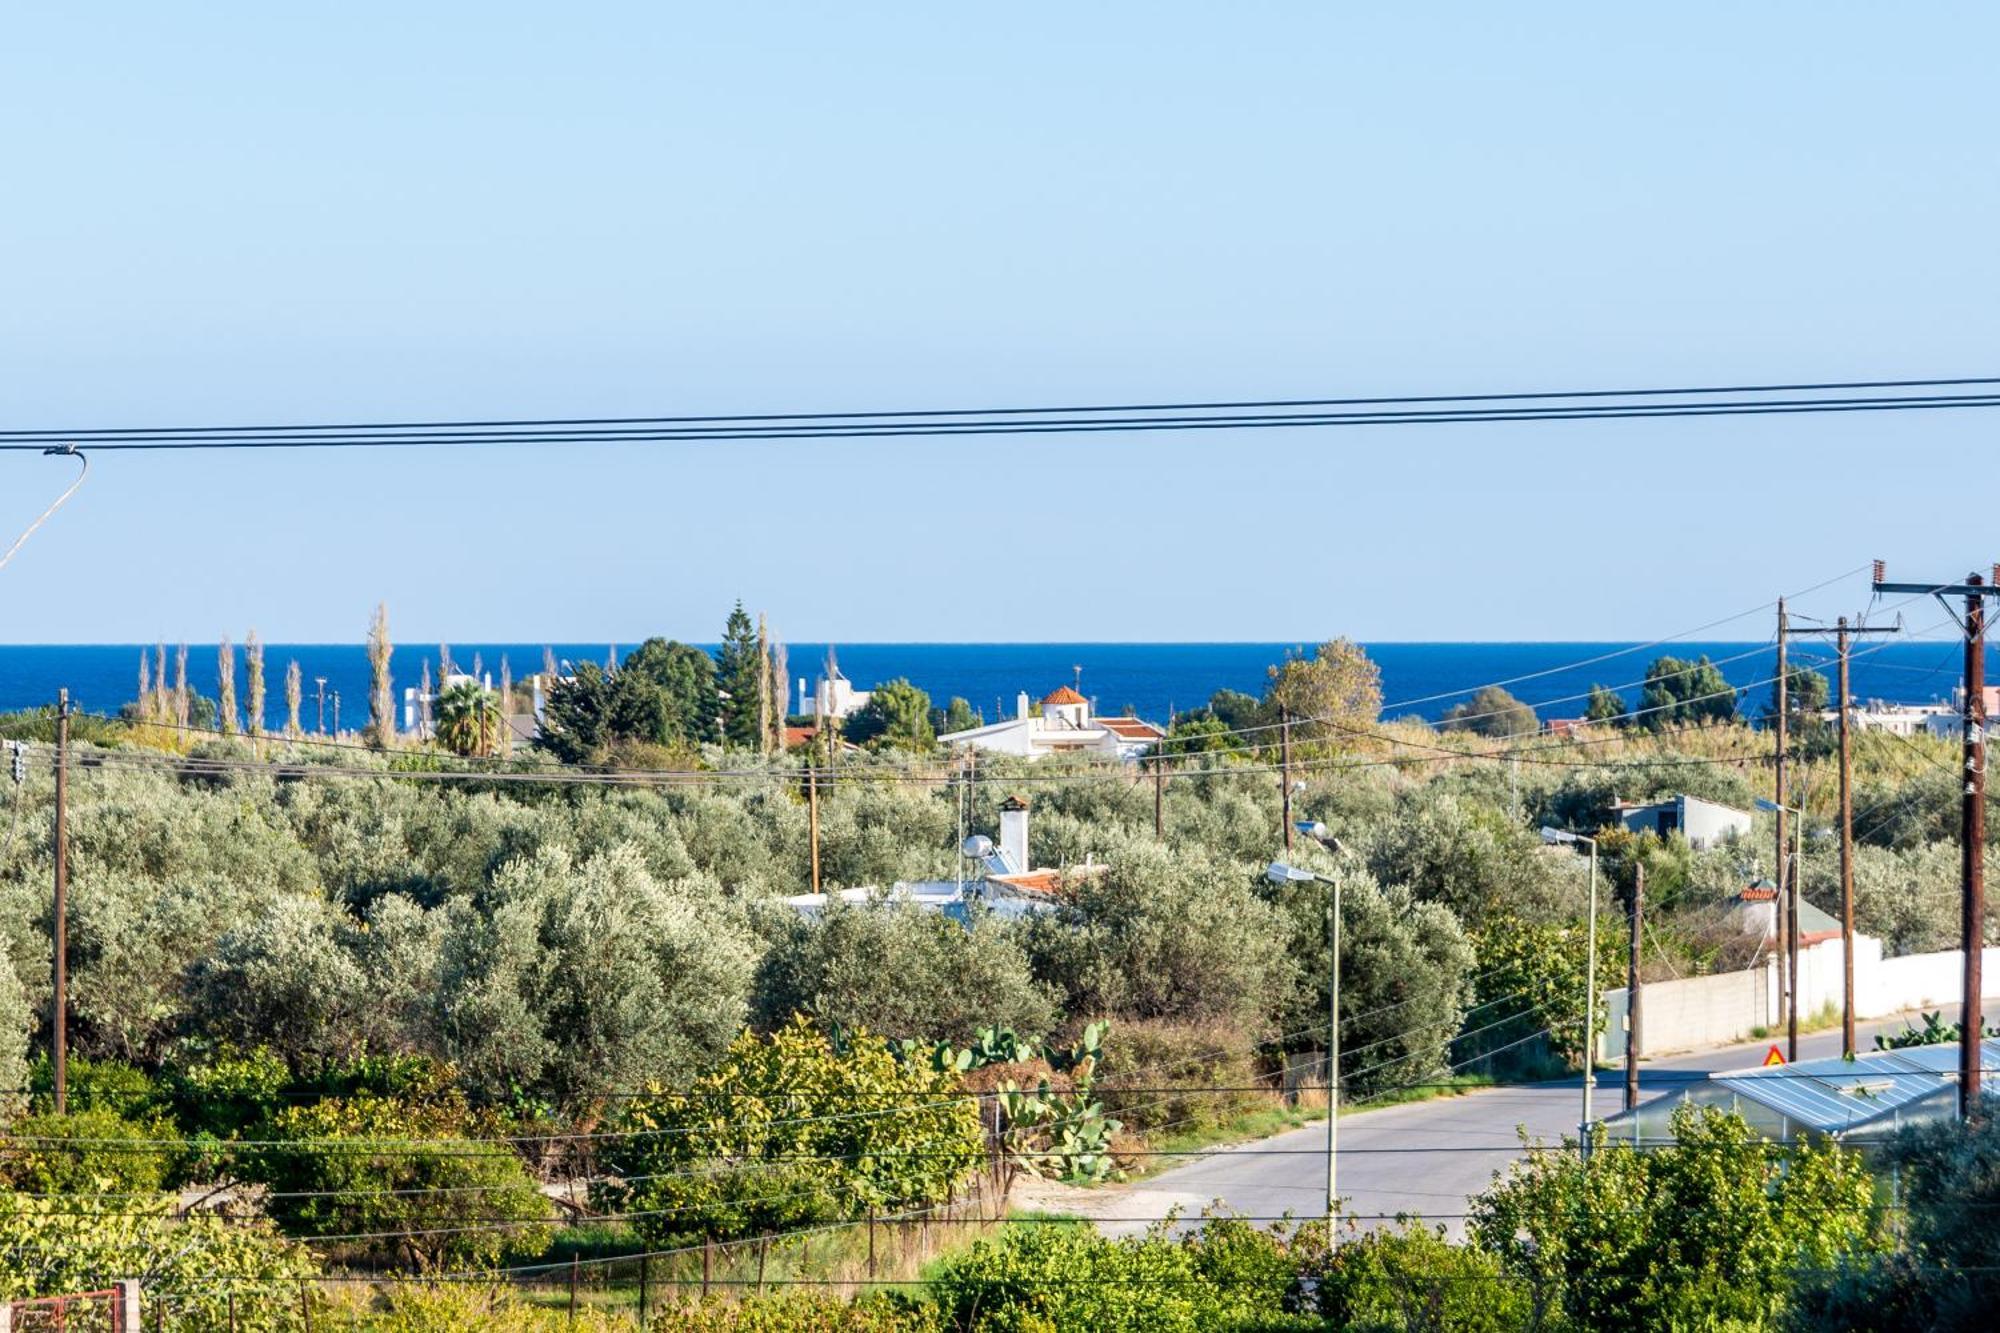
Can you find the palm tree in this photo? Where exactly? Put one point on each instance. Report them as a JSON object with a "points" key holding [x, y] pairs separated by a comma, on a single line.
{"points": [[468, 719]]}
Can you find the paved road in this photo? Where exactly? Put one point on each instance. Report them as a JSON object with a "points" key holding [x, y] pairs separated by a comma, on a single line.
{"points": [[1466, 1141]]}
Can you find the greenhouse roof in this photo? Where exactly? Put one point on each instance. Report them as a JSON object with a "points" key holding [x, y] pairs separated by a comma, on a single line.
{"points": [[1840, 1097]]}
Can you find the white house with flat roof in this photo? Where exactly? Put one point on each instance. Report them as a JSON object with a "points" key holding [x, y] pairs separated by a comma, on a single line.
{"points": [[1703, 823], [1064, 724]]}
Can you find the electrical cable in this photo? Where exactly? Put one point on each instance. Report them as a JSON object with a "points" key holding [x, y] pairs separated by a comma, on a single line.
{"points": [[70, 451]]}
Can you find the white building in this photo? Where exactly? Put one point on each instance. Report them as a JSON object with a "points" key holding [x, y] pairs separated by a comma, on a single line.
{"points": [[1064, 725], [835, 698], [1702, 823], [1897, 719], [1000, 881]]}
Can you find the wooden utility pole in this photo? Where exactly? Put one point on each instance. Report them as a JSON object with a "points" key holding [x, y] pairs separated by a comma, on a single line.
{"points": [[1972, 814], [1633, 987], [59, 922], [1843, 633], [1787, 882], [1160, 789], [1846, 854], [812, 818], [1285, 774], [1972, 849]]}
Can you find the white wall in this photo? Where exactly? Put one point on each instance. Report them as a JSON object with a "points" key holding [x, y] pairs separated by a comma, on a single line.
{"points": [[1713, 1011], [1694, 1012]]}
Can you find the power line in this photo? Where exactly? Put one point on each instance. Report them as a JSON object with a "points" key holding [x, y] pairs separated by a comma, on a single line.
{"points": [[1238, 405], [1017, 422]]}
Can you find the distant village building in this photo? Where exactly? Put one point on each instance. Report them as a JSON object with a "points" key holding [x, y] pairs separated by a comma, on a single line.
{"points": [[1703, 823], [1942, 720], [834, 699], [1062, 725], [1755, 912], [1000, 881]]}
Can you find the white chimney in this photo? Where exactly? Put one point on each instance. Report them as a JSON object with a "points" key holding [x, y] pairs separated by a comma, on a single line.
{"points": [[1014, 832], [1021, 705]]}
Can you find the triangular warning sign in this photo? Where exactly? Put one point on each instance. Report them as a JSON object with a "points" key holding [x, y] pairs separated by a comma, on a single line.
{"points": [[1772, 1057]]}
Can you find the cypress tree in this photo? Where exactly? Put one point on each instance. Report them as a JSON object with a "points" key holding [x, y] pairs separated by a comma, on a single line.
{"points": [[294, 692], [381, 702], [253, 666], [506, 707], [225, 686]]}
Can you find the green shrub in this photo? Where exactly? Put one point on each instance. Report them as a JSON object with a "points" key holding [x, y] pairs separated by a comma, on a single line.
{"points": [[98, 1085], [902, 972], [800, 1313], [189, 1266], [1039, 1279], [1385, 1281], [218, 1091], [88, 1152], [417, 1181], [449, 1307], [1208, 1066], [1709, 1232], [790, 1131]]}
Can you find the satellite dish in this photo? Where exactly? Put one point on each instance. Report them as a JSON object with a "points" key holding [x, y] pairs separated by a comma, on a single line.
{"points": [[977, 847]]}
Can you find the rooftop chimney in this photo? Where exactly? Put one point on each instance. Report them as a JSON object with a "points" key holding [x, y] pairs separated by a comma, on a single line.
{"points": [[1021, 705], [1014, 833]]}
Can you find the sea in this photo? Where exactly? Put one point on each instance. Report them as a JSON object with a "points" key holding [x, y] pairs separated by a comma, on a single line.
{"points": [[1153, 680]]}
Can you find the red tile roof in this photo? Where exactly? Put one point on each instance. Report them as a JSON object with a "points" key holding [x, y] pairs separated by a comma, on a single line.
{"points": [[1063, 694], [1131, 728]]}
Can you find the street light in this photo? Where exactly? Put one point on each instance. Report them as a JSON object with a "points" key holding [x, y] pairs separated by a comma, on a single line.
{"points": [[1553, 836], [1281, 874], [1789, 877]]}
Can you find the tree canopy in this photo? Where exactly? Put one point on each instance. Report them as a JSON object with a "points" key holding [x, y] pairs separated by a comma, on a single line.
{"points": [[1491, 712], [1679, 692]]}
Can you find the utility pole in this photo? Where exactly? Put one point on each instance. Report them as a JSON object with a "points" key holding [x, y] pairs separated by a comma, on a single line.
{"points": [[1972, 817], [1285, 773], [812, 812], [1972, 849], [1160, 789], [1843, 633], [59, 924], [1786, 898], [1846, 853], [1632, 987]]}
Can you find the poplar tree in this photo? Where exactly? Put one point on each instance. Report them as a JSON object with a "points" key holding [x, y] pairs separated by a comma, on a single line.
{"points": [[294, 691], [506, 707], [763, 685], [253, 666], [183, 701], [781, 670], [425, 695], [381, 703], [225, 686], [145, 685]]}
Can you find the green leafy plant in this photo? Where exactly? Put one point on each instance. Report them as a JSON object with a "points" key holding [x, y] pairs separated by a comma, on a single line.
{"points": [[1064, 1134], [792, 1129], [418, 1180], [1934, 1032]]}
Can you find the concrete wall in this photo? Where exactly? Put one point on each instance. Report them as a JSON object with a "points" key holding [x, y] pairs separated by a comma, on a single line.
{"points": [[1694, 1012], [1713, 1011]]}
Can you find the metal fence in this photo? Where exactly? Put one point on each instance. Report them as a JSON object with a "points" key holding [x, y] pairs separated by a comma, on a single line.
{"points": [[114, 1310]]}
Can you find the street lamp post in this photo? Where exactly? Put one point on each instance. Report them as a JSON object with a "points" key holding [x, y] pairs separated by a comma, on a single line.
{"points": [[1279, 873], [1556, 835]]}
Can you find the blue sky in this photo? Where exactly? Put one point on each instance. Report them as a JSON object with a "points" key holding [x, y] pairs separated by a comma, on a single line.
{"points": [[234, 212]]}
